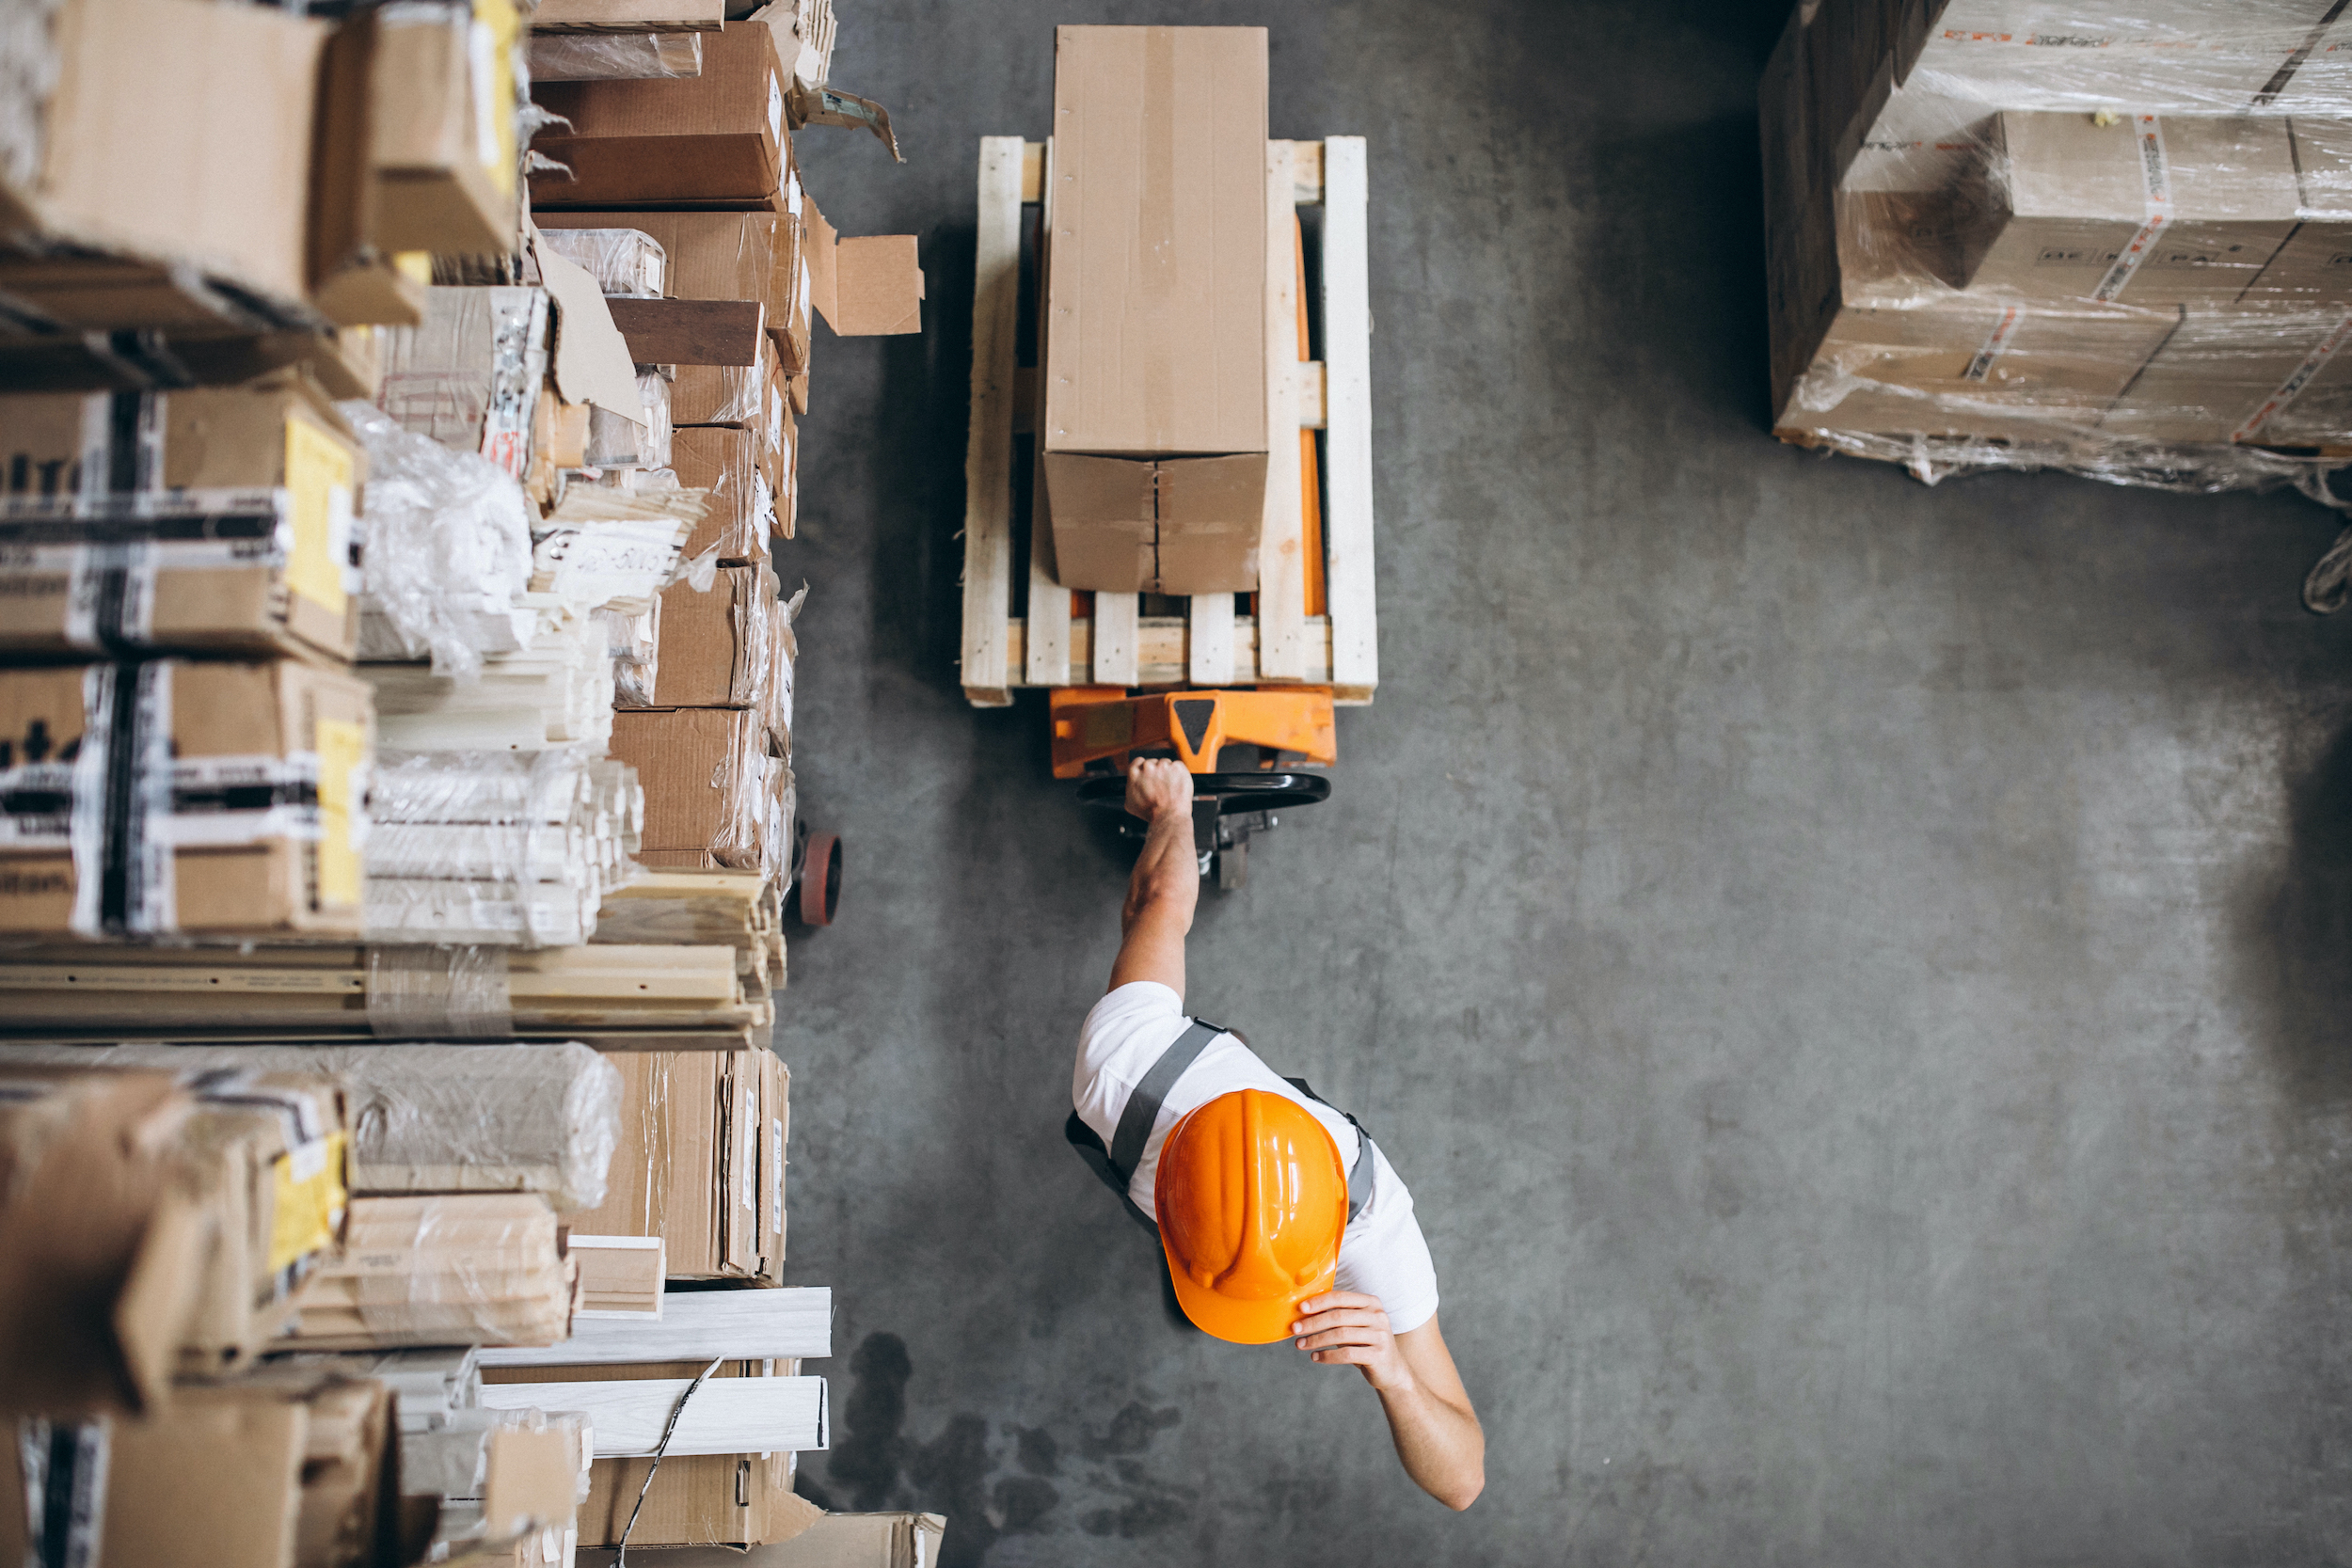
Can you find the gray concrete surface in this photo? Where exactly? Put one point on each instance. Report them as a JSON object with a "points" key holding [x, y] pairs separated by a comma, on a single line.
{"points": [[1854, 973]]}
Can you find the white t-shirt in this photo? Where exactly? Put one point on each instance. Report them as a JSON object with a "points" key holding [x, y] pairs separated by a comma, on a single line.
{"points": [[1382, 1252]]}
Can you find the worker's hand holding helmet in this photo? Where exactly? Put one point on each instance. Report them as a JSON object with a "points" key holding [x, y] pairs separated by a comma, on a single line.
{"points": [[1157, 784]]}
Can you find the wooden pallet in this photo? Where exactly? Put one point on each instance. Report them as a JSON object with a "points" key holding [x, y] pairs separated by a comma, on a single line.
{"points": [[1209, 644]]}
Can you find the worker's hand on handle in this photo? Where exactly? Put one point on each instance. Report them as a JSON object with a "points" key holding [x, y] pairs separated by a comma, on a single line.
{"points": [[1157, 784], [1348, 1329], [1437, 1433]]}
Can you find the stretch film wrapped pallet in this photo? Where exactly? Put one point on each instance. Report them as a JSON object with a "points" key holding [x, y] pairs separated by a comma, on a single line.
{"points": [[2109, 239]]}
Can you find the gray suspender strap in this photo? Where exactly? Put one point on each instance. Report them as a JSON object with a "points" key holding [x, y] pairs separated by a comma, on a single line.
{"points": [[1364, 1173], [1143, 1107]]}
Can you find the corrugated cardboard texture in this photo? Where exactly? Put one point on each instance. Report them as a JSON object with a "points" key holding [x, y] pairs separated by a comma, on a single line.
{"points": [[1178, 525], [716, 140], [725, 462], [2223, 366], [704, 779], [1155, 294], [689, 1164], [2076, 195], [183, 130], [863, 1541], [434, 190], [709, 642]]}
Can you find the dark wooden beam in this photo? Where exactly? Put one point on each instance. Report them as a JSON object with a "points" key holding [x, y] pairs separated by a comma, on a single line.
{"points": [[691, 331]]}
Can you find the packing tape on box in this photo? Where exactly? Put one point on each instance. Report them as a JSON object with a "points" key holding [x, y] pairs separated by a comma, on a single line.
{"points": [[2156, 178], [103, 554], [439, 992], [122, 805]]}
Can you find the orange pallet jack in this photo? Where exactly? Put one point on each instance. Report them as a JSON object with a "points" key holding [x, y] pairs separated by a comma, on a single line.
{"points": [[1098, 728]]}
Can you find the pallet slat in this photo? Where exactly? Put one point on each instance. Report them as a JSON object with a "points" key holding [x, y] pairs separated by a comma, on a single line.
{"points": [[1281, 568], [1049, 601], [1347, 378], [988, 460], [1208, 656]]}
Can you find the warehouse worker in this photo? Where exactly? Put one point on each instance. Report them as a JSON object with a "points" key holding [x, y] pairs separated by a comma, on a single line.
{"points": [[1279, 1216]]}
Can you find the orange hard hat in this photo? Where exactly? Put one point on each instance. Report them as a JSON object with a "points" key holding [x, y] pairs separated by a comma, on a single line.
{"points": [[1252, 1199]]}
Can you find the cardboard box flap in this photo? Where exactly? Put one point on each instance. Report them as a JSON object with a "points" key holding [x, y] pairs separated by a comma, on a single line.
{"points": [[878, 287], [591, 360], [867, 287]]}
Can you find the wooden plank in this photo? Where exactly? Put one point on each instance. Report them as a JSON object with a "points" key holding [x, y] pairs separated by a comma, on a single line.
{"points": [[1209, 658], [1032, 171], [1281, 574], [695, 1325], [1306, 172], [692, 331], [726, 1414], [988, 458], [1164, 657], [1311, 394], [629, 16], [1347, 369], [1048, 652], [1115, 639]]}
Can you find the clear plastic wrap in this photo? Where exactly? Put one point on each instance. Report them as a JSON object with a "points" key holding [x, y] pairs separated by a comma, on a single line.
{"points": [[629, 263], [2114, 241], [636, 643], [615, 441], [427, 1118], [424, 992], [472, 1268], [614, 56], [2166, 56], [503, 849], [448, 550]]}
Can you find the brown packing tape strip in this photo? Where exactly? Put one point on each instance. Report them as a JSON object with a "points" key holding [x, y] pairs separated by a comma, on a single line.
{"points": [[1156, 230]]}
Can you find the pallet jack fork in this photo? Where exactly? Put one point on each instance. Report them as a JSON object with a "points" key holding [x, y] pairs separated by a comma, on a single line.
{"points": [[1098, 728]]}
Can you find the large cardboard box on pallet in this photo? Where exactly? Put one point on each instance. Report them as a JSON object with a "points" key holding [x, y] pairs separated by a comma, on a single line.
{"points": [[176, 796], [1155, 423], [713, 141], [717, 646], [168, 133], [247, 553], [700, 1162]]}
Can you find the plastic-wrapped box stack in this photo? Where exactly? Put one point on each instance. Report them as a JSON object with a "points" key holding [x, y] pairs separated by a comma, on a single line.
{"points": [[2107, 238]]}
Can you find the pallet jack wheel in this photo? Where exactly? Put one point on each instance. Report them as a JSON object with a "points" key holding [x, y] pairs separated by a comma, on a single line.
{"points": [[819, 886]]}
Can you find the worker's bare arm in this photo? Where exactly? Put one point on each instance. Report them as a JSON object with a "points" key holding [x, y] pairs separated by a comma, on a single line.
{"points": [[1437, 1433], [1165, 886]]}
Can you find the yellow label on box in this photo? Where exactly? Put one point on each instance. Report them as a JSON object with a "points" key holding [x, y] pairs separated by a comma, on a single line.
{"points": [[496, 27], [309, 1183], [319, 477], [343, 747]]}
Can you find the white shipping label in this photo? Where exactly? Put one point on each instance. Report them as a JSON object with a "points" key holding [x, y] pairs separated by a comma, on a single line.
{"points": [[775, 1173], [482, 56], [775, 109]]}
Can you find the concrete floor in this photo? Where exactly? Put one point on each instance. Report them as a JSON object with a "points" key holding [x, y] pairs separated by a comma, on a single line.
{"points": [[1854, 973]]}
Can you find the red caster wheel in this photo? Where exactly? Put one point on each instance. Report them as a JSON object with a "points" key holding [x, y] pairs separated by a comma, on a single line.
{"points": [[818, 888]]}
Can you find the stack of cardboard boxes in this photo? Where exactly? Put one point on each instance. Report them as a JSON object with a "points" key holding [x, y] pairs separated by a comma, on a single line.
{"points": [[289, 378], [2111, 241], [683, 199]]}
